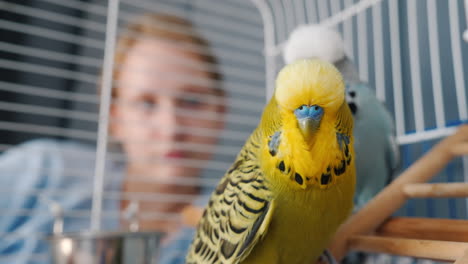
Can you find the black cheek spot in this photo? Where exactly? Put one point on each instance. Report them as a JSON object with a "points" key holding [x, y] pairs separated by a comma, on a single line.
{"points": [[341, 169], [325, 179], [298, 178], [281, 166]]}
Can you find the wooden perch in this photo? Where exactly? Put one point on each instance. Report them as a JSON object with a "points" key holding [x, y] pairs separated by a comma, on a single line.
{"points": [[429, 249], [463, 259], [422, 190], [425, 228], [393, 197]]}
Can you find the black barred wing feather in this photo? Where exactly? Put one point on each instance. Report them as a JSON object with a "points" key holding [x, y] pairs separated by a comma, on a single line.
{"points": [[237, 215]]}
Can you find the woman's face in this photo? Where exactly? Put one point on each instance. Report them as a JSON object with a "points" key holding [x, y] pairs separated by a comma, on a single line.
{"points": [[165, 113]]}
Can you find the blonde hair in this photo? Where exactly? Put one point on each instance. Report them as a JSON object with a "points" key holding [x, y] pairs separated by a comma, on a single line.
{"points": [[166, 28]]}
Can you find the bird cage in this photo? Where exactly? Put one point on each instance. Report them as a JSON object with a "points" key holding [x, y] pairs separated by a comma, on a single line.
{"points": [[64, 166]]}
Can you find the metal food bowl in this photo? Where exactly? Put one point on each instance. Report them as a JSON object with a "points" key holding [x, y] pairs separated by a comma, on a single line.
{"points": [[106, 247]]}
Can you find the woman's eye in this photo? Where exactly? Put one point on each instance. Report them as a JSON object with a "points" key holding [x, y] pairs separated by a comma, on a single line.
{"points": [[191, 102], [146, 104]]}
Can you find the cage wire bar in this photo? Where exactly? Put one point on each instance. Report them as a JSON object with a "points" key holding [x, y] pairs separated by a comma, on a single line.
{"points": [[103, 127]]}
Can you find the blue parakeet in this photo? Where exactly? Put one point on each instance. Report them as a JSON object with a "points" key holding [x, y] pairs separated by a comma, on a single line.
{"points": [[377, 155]]}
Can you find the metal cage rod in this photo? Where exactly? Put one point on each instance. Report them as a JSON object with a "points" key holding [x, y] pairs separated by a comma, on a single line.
{"points": [[395, 51], [269, 35], [363, 46], [322, 10], [415, 68], [289, 14], [425, 135], [335, 7], [299, 11], [379, 65], [435, 63], [311, 10], [108, 65]]}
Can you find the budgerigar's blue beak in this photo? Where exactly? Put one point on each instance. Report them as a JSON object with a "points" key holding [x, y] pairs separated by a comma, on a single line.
{"points": [[308, 119]]}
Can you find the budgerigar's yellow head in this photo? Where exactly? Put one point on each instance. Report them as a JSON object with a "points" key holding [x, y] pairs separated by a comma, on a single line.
{"points": [[312, 90]]}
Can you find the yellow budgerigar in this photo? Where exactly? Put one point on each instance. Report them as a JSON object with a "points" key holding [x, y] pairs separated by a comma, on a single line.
{"points": [[292, 184]]}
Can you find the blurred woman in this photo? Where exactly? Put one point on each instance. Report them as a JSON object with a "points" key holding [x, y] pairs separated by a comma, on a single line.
{"points": [[167, 112]]}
